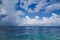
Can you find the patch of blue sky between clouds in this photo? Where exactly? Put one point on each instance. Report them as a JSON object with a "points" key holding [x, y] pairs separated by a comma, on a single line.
{"points": [[30, 12]]}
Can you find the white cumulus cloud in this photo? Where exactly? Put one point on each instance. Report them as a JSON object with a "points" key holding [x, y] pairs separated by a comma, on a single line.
{"points": [[54, 20]]}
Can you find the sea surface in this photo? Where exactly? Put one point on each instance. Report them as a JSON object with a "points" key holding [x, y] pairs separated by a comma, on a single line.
{"points": [[30, 33]]}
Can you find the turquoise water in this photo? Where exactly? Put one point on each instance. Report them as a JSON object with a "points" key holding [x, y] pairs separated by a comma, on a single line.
{"points": [[33, 37], [33, 33]]}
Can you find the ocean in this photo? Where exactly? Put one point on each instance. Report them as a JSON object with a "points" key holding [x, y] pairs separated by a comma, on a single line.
{"points": [[30, 33]]}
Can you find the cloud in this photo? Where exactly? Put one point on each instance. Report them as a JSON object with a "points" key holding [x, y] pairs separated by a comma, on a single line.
{"points": [[9, 6], [39, 6], [2, 11], [20, 13], [54, 20], [52, 7], [35, 1], [3, 19], [9, 1]]}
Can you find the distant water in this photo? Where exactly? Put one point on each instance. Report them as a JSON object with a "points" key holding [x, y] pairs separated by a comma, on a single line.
{"points": [[30, 33]]}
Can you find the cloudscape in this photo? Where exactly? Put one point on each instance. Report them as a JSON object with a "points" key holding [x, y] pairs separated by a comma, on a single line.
{"points": [[30, 12]]}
